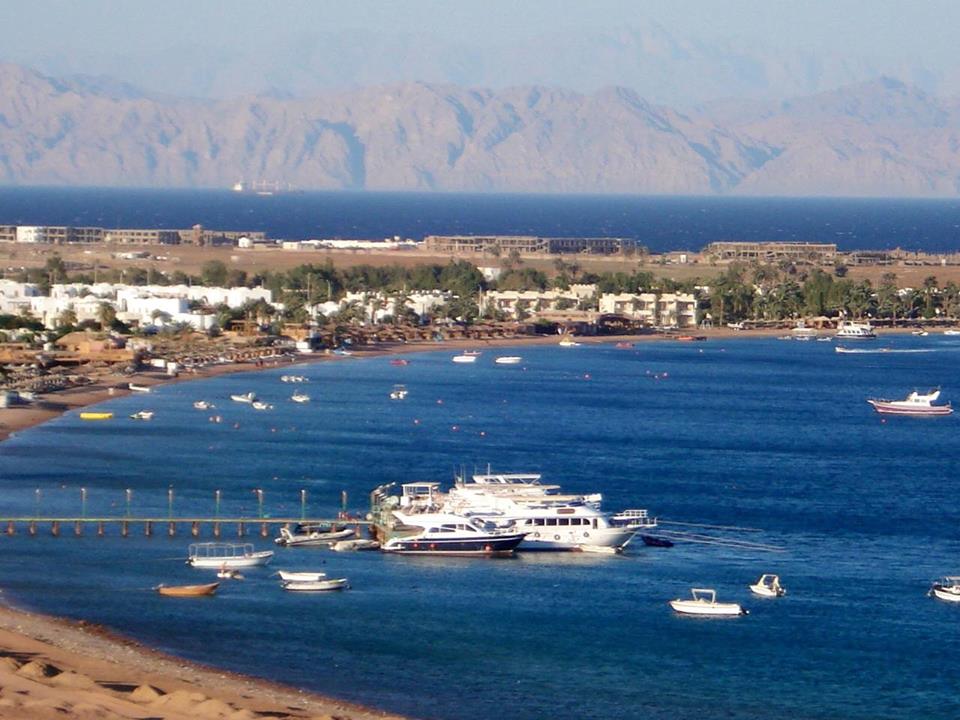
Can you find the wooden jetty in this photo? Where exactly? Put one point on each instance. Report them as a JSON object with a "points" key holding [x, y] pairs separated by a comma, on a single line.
{"points": [[149, 526]]}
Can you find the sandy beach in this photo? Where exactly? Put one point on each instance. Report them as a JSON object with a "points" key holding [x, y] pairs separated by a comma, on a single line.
{"points": [[56, 668]]}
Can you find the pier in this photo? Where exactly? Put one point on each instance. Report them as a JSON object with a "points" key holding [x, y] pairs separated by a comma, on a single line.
{"points": [[164, 525]]}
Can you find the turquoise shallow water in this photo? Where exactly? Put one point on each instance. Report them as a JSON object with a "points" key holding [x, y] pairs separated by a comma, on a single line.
{"points": [[752, 433]]}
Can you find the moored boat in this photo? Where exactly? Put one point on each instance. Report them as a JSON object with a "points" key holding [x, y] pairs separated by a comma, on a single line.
{"points": [[299, 397], [292, 576], [248, 398], [467, 356], [354, 545], [654, 541], [142, 415], [138, 388], [855, 331], [400, 362], [704, 602], [96, 416], [399, 392], [508, 360], [946, 588], [442, 533], [312, 534], [768, 586], [203, 405], [261, 405], [218, 556], [321, 585], [187, 590], [917, 404]]}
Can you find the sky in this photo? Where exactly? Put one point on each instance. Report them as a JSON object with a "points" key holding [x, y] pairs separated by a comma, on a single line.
{"points": [[216, 47]]}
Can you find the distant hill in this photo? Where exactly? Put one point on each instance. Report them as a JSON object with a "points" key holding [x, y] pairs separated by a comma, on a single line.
{"points": [[877, 138]]}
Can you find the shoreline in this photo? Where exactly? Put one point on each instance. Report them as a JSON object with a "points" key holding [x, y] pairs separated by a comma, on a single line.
{"points": [[50, 665]]}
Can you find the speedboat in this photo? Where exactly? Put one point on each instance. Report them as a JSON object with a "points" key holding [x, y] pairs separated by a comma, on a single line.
{"points": [[801, 331], [293, 378], [260, 405], [568, 341], [951, 332], [142, 415], [443, 533], [288, 576], [138, 388], [400, 362], [654, 541], [509, 360], [299, 397], [203, 405], [356, 544], [704, 602], [217, 556], [855, 331], [468, 356], [312, 534], [399, 392], [320, 585], [915, 404], [248, 398], [187, 590], [920, 333], [946, 588], [768, 586]]}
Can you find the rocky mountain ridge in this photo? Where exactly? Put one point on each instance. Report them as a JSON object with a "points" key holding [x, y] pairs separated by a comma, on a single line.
{"points": [[880, 138]]}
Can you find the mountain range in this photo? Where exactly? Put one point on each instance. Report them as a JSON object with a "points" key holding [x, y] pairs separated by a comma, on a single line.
{"points": [[876, 138]]}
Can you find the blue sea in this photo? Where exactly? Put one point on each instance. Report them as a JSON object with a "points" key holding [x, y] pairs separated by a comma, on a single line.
{"points": [[772, 439], [660, 223]]}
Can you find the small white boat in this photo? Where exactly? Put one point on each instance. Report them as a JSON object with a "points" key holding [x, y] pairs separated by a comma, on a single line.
{"points": [[299, 397], [915, 404], [768, 586], [920, 333], [248, 398], [951, 332], [138, 388], [260, 405], [399, 392], [946, 588], [203, 405], [467, 356], [142, 415], [293, 378], [288, 576], [704, 602], [568, 341], [509, 360], [226, 573], [355, 545], [307, 534], [316, 585], [221, 556]]}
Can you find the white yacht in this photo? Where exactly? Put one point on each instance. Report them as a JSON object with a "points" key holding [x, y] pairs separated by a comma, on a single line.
{"points": [[946, 588], [550, 519], [855, 331], [445, 533]]}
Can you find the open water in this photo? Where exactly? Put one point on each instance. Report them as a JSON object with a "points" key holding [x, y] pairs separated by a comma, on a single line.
{"points": [[660, 223], [759, 434]]}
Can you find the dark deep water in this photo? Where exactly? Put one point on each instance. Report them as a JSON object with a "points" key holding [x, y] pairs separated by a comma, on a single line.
{"points": [[661, 223]]}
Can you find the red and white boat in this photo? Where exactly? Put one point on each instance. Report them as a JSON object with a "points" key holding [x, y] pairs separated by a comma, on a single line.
{"points": [[915, 404]]}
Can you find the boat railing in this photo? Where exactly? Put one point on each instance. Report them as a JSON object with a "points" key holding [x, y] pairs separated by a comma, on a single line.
{"points": [[636, 518]]}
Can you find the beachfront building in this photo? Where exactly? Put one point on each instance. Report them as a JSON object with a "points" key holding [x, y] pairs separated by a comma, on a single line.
{"points": [[522, 304], [374, 307], [665, 310]]}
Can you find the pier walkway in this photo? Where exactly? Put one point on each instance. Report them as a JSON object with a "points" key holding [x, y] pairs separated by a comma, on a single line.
{"points": [[148, 526]]}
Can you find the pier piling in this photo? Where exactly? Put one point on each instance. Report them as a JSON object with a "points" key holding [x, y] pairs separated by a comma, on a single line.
{"points": [[78, 528], [55, 528], [241, 530], [171, 528], [11, 529], [100, 529], [264, 530], [32, 528], [148, 528], [124, 528], [195, 528]]}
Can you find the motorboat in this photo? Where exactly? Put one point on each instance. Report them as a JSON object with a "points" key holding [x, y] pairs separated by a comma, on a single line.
{"points": [[768, 586], [138, 388], [801, 330], [187, 590], [96, 416], [299, 397], [444, 533], [946, 588], [321, 585], [354, 545], [704, 602], [142, 415], [399, 392], [288, 576], [568, 341], [509, 360], [467, 356], [293, 378], [217, 556], [261, 405], [226, 573], [951, 332], [312, 534], [914, 404], [920, 333], [400, 362], [248, 398], [855, 331], [203, 405], [624, 346]]}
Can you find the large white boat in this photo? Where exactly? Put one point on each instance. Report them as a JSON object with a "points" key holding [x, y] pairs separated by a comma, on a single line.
{"points": [[444, 533], [849, 330], [915, 404], [220, 556], [551, 520], [704, 602], [946, 588]]}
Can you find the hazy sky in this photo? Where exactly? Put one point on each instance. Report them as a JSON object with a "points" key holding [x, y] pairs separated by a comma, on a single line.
{"points": [[144, 41]]}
